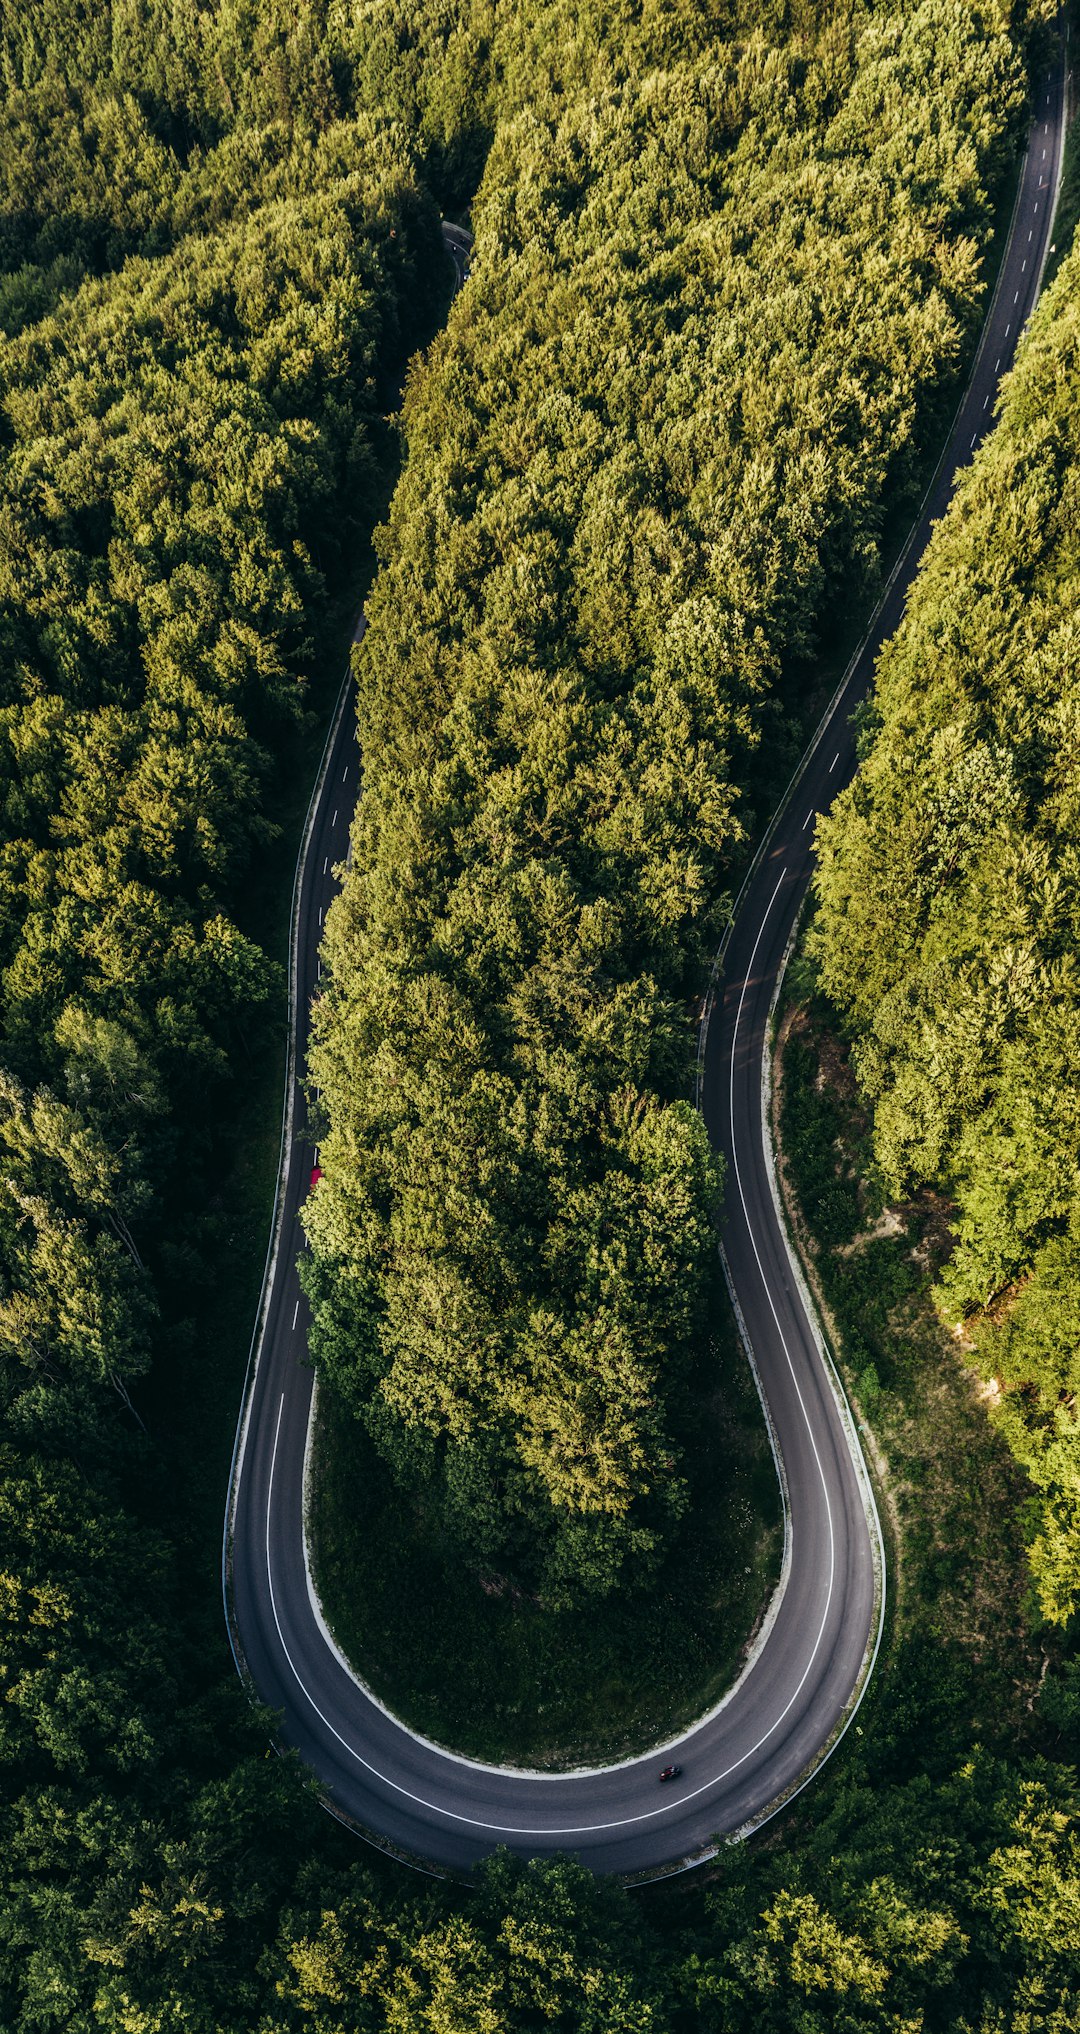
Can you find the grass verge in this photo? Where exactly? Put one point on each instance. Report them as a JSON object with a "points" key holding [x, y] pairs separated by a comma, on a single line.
{"points": [[498, 1675], [966, 1650]]}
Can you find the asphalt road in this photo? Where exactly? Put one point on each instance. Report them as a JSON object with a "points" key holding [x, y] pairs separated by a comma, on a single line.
{"points": [[799, 1689]]}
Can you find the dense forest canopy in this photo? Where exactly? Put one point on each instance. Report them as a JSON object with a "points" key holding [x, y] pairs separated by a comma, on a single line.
{"points": [[205, 311], [186, 463], [711, 309], [217, 246], [949, 923]]}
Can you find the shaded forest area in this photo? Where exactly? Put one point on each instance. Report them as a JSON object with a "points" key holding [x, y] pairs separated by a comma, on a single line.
{"points": [[950, 868], [715, 316], [216, 254]]}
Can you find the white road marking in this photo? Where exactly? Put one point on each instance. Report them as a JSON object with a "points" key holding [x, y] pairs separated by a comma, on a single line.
{"points": [[997, 363], [325, 859], [1016, 298], [974, 435], [807, 820], [716, 1779], [333, 822], [320, 914], [1023, 264], [345, 773], [295, 1311], [1031, 232], [986, 399], [1008, 329]]}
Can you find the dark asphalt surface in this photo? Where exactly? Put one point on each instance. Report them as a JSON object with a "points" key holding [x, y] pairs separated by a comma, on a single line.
{"points": [[737, 1763]]}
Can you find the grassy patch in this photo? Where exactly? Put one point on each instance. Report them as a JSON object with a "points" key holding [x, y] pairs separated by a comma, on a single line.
{"points": [[964, 1656], [1068, 207], [502, 1677]]}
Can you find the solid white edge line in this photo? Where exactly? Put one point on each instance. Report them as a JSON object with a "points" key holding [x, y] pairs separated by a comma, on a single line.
{"points": [[684, 1736], [850, 1427], [715, 1779]]}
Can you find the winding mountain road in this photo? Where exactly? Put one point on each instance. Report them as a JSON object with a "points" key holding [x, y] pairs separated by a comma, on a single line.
{"points": [[801, 1686]]}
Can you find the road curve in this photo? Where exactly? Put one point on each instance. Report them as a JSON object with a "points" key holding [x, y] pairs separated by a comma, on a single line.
{"points": [[800, 1687]]}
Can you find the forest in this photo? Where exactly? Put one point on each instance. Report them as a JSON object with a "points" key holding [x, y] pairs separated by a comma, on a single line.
{"points": [[640, 481], [218, 251]]}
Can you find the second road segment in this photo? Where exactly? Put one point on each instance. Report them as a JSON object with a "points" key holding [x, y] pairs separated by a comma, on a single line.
{"points": [[804, 1678]]}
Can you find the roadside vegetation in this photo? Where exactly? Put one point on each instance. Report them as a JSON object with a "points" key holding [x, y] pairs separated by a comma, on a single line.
{"points": [[948, 930], [964, 1642]]}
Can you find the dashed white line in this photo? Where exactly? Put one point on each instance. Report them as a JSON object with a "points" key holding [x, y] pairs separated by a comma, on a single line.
{"points": [[295, 1311], [1008, 329], [325, 859], [834, 762], [1023, 264], [345, 773], [974, 435], [333, 822], [320, 914], [807, 820]]}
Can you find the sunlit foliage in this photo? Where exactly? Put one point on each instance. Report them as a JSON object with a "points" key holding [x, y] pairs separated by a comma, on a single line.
{"points": [[949, 931]]}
